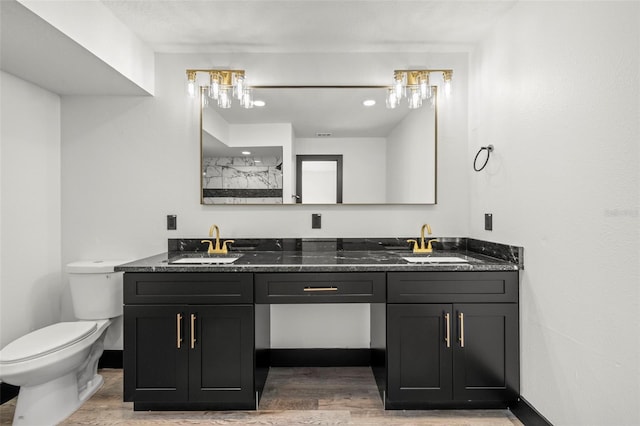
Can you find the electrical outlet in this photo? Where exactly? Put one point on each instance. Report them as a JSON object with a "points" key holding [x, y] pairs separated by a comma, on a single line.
{"points": [[172, 222], [488, 222]]}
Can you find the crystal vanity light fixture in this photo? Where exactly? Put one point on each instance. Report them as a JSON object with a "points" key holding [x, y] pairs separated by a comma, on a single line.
{"points": [[220, 86], [415, 86]]}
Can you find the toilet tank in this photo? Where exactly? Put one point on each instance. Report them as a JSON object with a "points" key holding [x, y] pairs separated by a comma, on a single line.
{"points": [[96, 290]]}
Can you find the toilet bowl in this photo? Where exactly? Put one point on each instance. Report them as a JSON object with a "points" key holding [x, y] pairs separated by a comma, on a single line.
{"points": [[56, 366]]}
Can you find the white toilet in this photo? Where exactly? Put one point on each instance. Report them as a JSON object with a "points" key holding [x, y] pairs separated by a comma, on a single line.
{"points": [[56, 366]]}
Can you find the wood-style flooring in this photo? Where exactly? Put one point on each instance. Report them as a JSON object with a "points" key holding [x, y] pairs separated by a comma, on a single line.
{"points": [[292, 396]]}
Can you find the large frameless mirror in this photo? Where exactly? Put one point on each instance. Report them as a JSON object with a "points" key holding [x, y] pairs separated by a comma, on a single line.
{"points": [[279, 152]]}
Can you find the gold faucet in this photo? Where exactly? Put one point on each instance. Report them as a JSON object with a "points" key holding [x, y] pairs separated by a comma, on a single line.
{"points": [[217, 249], [420, 248]]}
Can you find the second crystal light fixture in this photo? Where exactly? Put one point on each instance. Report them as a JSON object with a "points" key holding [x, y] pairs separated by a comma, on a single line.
{"points": [[222, 87], [415, 86]]}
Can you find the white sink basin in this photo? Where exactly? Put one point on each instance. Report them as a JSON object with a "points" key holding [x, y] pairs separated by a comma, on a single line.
{"points": [[214, 260], [435, 259]]}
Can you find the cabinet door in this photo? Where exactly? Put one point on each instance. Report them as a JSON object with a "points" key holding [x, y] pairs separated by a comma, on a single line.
{"points": [[155, 362], [419, 361], [221, 360], [485, 361]]}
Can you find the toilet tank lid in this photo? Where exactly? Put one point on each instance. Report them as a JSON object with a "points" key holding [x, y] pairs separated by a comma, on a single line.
{"points": [[93, 266], [45, 340]]}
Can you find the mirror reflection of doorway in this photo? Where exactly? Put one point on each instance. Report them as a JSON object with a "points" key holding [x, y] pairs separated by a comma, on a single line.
{"points": [[319, 179]]}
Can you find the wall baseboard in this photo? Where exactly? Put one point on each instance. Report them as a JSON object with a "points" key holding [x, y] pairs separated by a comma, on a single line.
{"points": [[527, 414], [283, 358], [110, 359], [320, 357]]}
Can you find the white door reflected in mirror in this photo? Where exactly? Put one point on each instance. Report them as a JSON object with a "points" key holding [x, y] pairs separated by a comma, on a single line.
{"points": [[319, 179], [319, 182]]}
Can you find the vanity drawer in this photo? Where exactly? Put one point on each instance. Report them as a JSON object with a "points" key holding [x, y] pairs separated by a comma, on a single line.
{"points": [[325, 287], [190, 287], [451, 287]]}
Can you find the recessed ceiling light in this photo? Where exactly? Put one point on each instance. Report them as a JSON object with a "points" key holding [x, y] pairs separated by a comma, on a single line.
{"points": [[259, 103], [368, 102], [246, 152]]}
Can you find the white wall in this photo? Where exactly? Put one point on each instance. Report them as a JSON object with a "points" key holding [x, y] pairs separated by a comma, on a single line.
{"points": [[411, 158], [555, 88], [148, 151], [30, 252]]}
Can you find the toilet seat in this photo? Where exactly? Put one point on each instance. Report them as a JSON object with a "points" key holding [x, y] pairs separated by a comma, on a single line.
{"points": [[46, 340]]}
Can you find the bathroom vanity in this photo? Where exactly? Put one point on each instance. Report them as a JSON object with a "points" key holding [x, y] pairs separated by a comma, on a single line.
{"points": [[444, 334]]}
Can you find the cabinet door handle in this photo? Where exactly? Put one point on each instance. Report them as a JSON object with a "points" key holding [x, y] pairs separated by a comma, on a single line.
{"points": [[178, 330], [447, 337], [193, 331], [461, 317], [332, 288]]}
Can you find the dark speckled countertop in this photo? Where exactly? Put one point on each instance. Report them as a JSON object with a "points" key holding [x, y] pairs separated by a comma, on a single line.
{"points": [[333, 255]]}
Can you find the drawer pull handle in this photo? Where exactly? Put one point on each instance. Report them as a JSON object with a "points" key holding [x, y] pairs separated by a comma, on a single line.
{"points": [[193, 331], [448, 330], [321, 288], [461, 317], [179, 330]]}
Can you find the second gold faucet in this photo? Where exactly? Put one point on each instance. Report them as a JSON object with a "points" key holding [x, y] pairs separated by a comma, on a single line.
{"points": [[422, 247], [217, 249]]}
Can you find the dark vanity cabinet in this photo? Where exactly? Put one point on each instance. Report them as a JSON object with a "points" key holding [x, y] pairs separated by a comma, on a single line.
{"points": [[439, 339], [452, 339], [189, 340]]}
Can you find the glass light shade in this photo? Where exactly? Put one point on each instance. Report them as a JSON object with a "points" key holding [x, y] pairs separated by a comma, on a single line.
{"points": [[447, 88], [392, 99], [446, 77], [399, 88], [191, 88], [214, 89], [239, 87], [246, 100], [414, 97], [425, 87], [224, 99]]}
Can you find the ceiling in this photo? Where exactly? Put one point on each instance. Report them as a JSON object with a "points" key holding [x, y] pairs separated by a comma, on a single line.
{"points": [[308, 25], [35, 51], [29, 45], [337, 111]]}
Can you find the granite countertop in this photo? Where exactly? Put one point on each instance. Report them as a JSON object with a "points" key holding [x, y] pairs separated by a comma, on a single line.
{"points": [[338, 255]]}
